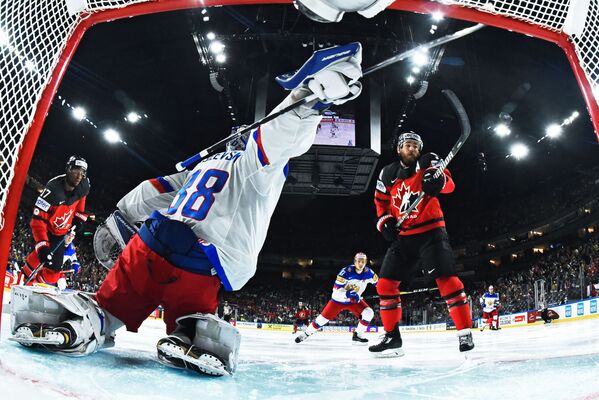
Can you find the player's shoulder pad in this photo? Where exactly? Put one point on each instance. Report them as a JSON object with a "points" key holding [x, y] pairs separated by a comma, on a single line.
{"points": [[83, 187], [54, 191], [389, 173]]}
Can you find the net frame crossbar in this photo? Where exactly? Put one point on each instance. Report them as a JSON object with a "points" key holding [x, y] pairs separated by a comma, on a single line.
{"points": [[543, 19]]}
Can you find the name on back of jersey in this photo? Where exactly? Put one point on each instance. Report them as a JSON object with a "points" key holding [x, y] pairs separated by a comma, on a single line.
{"points": [[227, 156]]}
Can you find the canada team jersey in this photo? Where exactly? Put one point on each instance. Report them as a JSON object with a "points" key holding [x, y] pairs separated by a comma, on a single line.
{"points": [[489, 302], [397, 188], [55, 208], [349, 279], [228, 198]]}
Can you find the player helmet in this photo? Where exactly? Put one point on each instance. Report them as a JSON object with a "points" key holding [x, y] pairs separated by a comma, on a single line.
{"points": [[491, 288], [360, 256], [403, 137], [77, 162], [239, 143]]}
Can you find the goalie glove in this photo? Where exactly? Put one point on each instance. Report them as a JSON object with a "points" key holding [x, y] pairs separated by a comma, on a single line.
{"points": [[331, 74]]}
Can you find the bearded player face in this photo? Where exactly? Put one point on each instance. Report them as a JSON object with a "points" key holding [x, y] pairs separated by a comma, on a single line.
{"points": [[408, 152]]}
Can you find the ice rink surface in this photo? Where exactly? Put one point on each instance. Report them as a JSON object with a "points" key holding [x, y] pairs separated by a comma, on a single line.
{"points": [[559, 361]]}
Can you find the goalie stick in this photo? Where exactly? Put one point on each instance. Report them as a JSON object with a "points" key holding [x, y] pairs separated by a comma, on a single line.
{"points": [[465, 133], [183, 165]]}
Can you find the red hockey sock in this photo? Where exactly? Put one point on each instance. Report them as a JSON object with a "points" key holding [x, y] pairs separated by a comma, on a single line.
{"points": [[390, 303], [452, 290]]}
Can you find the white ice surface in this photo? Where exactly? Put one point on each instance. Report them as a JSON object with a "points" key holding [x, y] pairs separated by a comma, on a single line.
{"points": [[560, 361]]}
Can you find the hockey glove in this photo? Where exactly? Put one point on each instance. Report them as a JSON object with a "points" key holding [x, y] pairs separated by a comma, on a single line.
{"points": [[428, 160], [43, 251], [386, 226], [353, 296], [336, 84], [431, 185]]}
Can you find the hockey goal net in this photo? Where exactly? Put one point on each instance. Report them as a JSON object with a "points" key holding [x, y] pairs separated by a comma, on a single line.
{"points": [[39, 37]]}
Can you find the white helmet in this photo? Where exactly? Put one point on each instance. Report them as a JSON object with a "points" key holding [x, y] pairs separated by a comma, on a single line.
{"points": [[333, 10], [403, 137]]}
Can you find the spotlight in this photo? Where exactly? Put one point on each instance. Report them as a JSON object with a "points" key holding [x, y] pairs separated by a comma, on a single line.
{"points": [[217, 47], [420, 58], [437, 16], [502, 130], [133, 117], [519, 151], [112, 136], [210, 36], [79, 113], [553, 131], [206, 18], [221, 58], [410, 79]]}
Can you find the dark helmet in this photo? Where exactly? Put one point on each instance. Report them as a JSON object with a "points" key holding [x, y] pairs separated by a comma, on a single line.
{"points": [[77, 162], [410, 135]]}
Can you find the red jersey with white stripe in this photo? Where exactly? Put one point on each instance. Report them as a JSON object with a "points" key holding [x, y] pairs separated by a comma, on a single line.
{"points": [[55, 208], [229, 198], [398, 187]]}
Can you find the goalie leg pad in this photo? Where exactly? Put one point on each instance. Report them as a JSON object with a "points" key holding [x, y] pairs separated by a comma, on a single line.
{"points": [[202, 343], [74, 315]]}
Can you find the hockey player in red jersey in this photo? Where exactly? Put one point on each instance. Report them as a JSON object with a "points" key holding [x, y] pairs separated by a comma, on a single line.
{"points": [[349, 285], [62, 200], [301, 316], [421, 243]]}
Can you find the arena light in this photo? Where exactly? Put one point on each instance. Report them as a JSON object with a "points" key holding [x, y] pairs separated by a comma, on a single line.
{"points": [[519, 151], [553, 131], [221, 58], [204, 11], [438, 16], [79, 113], [416, 70], [210, 36], [410, 79], [420, 58], [502, 130], [206, 18], [133, 117], [112, 136], [217, 47]]}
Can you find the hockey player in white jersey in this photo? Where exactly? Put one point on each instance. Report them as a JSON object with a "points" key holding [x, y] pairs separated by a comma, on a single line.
{"points": [[349, 285], [201, 229], [490, 304]]}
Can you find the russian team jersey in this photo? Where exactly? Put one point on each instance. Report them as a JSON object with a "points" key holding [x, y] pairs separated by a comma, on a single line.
{"points": [[489, 302], [349, 279], [228, 198]]}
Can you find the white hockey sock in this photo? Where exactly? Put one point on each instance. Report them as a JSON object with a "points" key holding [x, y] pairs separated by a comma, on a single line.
{"points": [[316, 324]]}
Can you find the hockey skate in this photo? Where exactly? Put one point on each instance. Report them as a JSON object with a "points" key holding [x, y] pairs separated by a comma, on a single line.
{"points": [[301, 337], [174, 352], [465, 339], [358, 339], [50, 337], [390, 345]]}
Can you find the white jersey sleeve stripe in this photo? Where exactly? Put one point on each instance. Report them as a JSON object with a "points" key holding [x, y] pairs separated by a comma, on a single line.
{"points": [[162, 185], [262, 157]]}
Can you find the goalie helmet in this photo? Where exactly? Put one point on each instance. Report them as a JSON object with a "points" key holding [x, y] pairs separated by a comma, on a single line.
{"points": [[410, 135], [239, 143], [332, 10]]}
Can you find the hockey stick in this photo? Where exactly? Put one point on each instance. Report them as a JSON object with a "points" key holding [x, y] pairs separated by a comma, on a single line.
{"points": [[51, 255], [465, 133], [183, 165]]}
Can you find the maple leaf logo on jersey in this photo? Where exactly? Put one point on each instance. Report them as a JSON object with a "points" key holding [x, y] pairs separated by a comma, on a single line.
{"points": [[60, 222], [404, 198]]}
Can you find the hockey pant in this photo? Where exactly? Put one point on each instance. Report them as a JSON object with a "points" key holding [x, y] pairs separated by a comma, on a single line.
{"points": [[361, 310], [491, 318]]}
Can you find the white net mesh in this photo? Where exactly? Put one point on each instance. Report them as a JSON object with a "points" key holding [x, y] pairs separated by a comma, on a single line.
{"points": [[33, 34]]}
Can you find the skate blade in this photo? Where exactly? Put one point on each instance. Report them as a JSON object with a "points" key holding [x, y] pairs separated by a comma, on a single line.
{"points": [[391, 353], [206, 363], [30, 341], [354, 343]]}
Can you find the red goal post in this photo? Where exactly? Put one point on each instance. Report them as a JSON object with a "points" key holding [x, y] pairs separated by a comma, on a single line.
{"points": [[39, 37]]}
